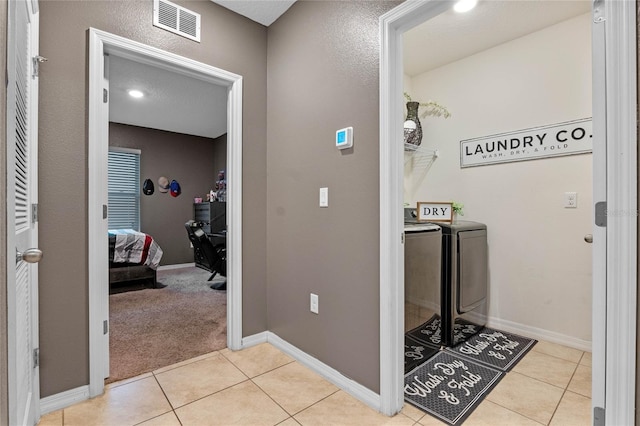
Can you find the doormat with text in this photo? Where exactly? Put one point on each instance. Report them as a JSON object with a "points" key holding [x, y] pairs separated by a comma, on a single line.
{"points": [[449, 387], [430, 331], [416, 353], [494, 348]]}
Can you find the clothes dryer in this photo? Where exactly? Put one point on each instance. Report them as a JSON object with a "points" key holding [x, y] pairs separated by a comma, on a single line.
{"points": [[464, 279]]}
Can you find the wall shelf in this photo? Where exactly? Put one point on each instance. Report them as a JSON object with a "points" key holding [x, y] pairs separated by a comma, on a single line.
{"points": [[420, 157]]}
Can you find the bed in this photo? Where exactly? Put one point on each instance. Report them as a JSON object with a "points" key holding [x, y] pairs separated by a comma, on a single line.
{"points": [[133, 256]]}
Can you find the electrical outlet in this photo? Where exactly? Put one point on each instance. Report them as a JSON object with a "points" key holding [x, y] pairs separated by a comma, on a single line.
{"points": [[313, 303], [570, 200]]}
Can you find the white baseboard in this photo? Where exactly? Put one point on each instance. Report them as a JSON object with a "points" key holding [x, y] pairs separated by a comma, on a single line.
{"points": [[348, 385], [176, 266], [539, 334], [255, 339], [64, 399]]}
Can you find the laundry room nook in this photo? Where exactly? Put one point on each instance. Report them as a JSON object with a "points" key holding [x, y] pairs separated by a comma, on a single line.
{"points": [[539, 264], [497, 194]]}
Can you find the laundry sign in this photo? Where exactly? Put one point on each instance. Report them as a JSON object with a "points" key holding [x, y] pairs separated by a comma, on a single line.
{"points": [[568, 138]]}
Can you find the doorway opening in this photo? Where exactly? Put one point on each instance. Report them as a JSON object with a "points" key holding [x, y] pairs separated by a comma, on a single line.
{"points": [[613, 138], [101, 44], [493, 90], [174, 131]]}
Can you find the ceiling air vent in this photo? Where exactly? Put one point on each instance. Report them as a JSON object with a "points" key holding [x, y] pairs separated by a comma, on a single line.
{"points": [[176, 19]]}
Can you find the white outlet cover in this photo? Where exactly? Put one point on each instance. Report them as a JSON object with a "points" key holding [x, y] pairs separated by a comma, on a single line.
{"points": [[570, 200], [324, 197]]}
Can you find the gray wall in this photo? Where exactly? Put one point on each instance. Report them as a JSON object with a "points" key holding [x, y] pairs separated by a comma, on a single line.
{"points": [[323, 76], [229, 41], [192, 161], [219, 155], [4, 414]]}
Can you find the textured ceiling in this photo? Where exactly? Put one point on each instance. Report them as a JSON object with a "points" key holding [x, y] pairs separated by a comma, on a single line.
{"points": [[172, 101], [264, 12], [452, 36]]}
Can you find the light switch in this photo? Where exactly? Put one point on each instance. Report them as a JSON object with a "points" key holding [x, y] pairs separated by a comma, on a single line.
{"points": [[324, 197]]}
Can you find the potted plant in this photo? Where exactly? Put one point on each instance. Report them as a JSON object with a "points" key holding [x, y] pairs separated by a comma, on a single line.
{"points": [[457, 210]]}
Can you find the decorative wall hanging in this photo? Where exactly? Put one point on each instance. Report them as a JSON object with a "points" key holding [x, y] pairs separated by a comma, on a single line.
{"points": [[175, 188], [163, 184], [147, 187], [554, 140], [435, 211], [412, 125]]}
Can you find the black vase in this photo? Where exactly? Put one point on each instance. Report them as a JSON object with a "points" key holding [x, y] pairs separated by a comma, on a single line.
{"points": [[412, 126]]}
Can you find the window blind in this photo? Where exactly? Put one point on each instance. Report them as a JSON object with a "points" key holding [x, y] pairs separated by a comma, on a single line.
{"points": [[124, 189]]}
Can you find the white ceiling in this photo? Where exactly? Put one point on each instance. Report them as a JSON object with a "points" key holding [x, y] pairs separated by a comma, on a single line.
{"points": [[264, 12], [452, 36], [186, 105], [172, 102]]}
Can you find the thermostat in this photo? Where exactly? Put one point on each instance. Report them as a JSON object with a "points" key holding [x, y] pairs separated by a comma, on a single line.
{"points": [[344, 138]]}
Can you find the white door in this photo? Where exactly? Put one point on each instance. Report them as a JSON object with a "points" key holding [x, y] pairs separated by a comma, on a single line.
{"points": [[22, 226]]}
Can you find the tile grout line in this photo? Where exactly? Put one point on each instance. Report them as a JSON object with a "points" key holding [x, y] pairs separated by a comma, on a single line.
{"points": [[533, 378], [299, 411], [564, 391], [260, 374], [173, 410], [533, 348], [551, 384], [184, 363], [271, 398], [514, 411]]}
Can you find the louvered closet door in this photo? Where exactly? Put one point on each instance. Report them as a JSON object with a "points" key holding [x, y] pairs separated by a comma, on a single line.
{"points": [[22, 277]]}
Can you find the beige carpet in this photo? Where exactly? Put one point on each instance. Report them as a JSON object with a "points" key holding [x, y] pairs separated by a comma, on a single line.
{"points": [[154, 328]]}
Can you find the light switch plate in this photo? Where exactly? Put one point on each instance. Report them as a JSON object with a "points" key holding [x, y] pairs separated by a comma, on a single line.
{"points": [[313, 303], [324, 197]]}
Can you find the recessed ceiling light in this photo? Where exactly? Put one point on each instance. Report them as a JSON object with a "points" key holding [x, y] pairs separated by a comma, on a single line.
{"points": [[464, 5], [135, 93]]}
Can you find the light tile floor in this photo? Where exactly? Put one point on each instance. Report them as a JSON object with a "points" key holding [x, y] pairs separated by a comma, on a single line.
{"points": [[263, 386]]}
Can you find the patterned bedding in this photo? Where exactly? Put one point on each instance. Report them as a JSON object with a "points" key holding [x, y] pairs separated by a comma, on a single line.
{"points": [[133, 247]]}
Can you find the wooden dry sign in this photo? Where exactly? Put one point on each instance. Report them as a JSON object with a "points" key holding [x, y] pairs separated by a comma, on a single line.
{"points": [[429, 211]]}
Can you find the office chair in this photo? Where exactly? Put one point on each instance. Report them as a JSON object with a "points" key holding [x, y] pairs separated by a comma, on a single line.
{"points": [[207, 256]]}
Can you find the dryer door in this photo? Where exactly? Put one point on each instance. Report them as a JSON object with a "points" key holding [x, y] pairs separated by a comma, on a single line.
{"points": [[472, 269]]}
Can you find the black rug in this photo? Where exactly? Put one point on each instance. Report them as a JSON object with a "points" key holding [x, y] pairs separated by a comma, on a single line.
{"points": [[430, 331], [477, 362], [416, 353], [449, 387], [493, 348]]}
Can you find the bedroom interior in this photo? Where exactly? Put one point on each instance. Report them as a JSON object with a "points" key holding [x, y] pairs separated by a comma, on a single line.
{"points": [[162, 302]]}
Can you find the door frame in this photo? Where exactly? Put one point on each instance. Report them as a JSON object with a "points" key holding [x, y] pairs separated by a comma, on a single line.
{"points": [[621, 281], [101, 43]]}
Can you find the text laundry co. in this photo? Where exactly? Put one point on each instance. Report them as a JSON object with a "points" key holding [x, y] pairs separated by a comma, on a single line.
{"points": [[574, 137]]}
